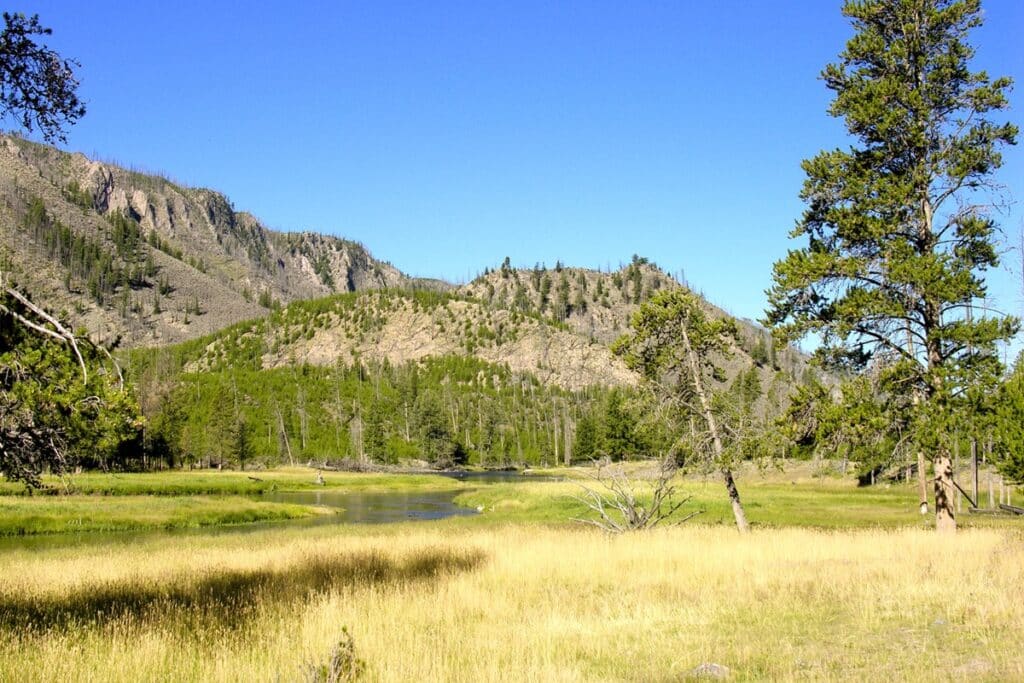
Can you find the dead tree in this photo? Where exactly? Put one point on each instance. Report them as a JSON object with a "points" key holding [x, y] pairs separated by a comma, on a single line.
{"points": [[676, 344], [622, 504]]}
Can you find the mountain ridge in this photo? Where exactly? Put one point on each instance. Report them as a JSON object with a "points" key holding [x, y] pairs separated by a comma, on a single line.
{"points": [[206, 265], [141, 260]]}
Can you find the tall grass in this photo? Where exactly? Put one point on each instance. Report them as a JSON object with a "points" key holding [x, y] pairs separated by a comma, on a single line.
{"points": [[519, 603]]}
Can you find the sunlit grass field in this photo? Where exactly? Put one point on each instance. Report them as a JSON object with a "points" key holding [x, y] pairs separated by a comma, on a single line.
{"points": [[443, 602], [836, 582]]}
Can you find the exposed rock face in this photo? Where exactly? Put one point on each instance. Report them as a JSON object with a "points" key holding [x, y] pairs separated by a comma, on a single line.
{"points": [[215, 265], [555, 356], [99, 182], [398, 328]]}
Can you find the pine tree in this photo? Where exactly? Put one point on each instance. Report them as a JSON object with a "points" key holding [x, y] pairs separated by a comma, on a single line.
{"points": [[589, 438], [620, 438], [240, 441], [375, 438], [545, 292], [897, 246], [61, 397], [37, 86], [437, 443], [675, 344], [1009, 424]]}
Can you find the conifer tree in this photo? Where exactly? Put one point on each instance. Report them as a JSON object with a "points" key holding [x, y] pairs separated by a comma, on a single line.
{"points": [[676, 345], [61, 397], [1009, 424], [897, 244], [37, 86]]}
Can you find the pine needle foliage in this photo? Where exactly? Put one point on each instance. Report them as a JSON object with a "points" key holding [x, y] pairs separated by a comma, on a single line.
{"points": [[897, 227]]}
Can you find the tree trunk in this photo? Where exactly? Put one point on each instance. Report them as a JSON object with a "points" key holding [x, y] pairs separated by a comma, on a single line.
{"points": [[734, 500], [922, 482], [974, 471], [709, 419], [284, 435], [945, 518], [555, 434], [567, 426]]}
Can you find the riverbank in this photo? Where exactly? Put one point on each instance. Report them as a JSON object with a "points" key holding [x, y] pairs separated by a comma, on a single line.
{"points": [[78, 514], [219, 482], [179, 499], [153, 501]]}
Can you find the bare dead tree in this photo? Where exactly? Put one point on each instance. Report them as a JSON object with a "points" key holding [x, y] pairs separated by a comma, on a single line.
{"points": [[622, 503], [59, 331]]}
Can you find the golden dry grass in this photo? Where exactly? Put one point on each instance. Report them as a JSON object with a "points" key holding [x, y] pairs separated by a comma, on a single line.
{"points": [[520, 603]]}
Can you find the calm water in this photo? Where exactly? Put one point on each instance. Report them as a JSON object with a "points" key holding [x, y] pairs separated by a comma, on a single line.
{"points": [[351, 507], [397, 506], [375, 508]]}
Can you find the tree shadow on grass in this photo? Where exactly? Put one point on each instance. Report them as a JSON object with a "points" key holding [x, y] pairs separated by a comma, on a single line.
{"points": [[225, 599]]}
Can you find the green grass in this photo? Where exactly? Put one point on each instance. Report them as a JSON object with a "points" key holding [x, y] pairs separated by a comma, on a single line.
{"points": [[227, 482], [175, 499], [770, 499], [21, 515], [97, 501]]}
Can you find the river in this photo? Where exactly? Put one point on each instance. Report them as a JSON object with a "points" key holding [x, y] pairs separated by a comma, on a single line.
{"points": [[351, 507]]}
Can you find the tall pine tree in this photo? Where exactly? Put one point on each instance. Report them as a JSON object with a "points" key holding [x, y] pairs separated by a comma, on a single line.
{"points": [[897, 241]]}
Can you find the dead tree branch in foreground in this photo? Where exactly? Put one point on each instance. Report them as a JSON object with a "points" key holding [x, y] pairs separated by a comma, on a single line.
{"points": [[622, 503]]}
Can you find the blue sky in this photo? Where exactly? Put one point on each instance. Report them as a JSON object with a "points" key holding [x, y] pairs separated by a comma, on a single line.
{"points": [[445, 136]]}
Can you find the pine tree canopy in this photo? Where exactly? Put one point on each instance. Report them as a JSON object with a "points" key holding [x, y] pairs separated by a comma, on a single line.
{"points": [[898, 227]]}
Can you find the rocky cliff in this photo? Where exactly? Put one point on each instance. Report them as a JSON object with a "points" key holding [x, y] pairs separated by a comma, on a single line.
{"points": [[203, 264]]}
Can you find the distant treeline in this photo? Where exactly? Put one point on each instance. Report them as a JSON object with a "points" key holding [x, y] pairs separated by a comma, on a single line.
{"points": [[447, 411]]}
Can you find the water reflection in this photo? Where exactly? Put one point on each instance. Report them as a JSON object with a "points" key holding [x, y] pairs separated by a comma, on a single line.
{"points": [[375, 508], [351, 507]]}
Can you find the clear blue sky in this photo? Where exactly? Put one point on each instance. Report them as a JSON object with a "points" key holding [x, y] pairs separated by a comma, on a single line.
{"points": [[445, 136]]}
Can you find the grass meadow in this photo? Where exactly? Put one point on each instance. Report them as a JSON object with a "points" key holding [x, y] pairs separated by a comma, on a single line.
{"points": [[441, 602], [834, 583], [24, 516]]}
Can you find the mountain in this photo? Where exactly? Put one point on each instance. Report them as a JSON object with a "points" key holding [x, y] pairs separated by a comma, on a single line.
{"points": [[302, 346], [598, 306], [146, 260], [398, 327]]}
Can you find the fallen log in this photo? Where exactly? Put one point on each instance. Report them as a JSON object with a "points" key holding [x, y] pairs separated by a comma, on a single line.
{"points": [[987, 511]]}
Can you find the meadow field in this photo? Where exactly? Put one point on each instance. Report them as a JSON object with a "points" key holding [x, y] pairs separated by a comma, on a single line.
{"points": [[835, 583]]}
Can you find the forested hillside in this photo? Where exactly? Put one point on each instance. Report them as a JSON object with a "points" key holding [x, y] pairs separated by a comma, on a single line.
{"points": [[393, 375], [598, 305], [515, 366]]}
